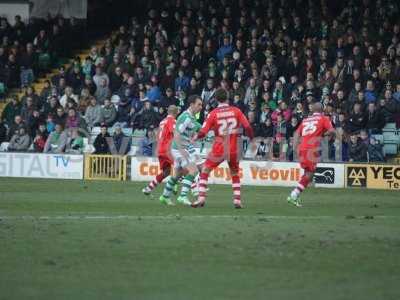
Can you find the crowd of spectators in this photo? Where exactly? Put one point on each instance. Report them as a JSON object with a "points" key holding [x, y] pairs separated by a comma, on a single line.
{"points": [[29, 49], [274, 58]]}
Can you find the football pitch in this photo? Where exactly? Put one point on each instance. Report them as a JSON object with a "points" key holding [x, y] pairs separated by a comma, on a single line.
{"points": [[104, 240]]}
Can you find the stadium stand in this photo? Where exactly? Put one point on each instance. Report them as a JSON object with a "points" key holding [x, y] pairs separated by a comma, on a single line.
{"points": [[274, 58]]}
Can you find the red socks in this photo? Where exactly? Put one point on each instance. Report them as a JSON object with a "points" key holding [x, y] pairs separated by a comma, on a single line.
{"points": [[203, 187], [236, 187]]}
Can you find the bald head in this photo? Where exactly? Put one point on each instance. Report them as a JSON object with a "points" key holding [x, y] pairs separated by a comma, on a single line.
{"points": [[173, 110], [316, 107]]}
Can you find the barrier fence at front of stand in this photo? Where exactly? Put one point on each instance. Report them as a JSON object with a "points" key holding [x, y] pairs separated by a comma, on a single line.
{"points": [[105, 167]]}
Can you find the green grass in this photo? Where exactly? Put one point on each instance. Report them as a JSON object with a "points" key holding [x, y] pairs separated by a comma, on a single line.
{"points": [[343, 244]]}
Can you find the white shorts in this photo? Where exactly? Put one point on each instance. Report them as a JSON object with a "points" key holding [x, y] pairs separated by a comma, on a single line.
{"points": [[183, 158]]}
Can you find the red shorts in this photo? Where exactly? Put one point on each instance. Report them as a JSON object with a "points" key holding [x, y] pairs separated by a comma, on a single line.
{"points": [[214, 160], [308, 159], [165, 162]]}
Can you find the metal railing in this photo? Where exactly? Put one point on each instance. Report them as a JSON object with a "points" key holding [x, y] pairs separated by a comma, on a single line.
{"points": [[105, 167]]}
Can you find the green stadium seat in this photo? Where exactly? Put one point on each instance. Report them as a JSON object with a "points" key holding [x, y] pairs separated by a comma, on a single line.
{"points": [[139, 133], [390, 137], [136, 141], [389, 126], [390, 149]]}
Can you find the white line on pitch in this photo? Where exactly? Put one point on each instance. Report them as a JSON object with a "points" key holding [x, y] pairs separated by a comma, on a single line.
{"points": [[177, 216]]}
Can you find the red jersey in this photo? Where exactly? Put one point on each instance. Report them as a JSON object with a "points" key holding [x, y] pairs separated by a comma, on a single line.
{"points": [[166, 135], [226, 122], [312, 130]]}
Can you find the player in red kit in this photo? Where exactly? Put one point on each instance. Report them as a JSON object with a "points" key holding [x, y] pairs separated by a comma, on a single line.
{"points": [[311, 131], [226, 121], [165, 137]]}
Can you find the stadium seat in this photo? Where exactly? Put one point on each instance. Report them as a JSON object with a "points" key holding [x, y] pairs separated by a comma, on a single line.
{"points": [[126, 131], [390, 137], [139, 133], [390, 126], [390, 149], [136, 141]]}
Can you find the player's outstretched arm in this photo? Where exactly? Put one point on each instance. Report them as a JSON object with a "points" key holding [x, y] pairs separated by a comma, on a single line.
{"points": [[208, 123]]}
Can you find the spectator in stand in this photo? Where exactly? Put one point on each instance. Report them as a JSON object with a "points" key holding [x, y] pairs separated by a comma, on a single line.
{"points": [[238, 102], [60, 117], [3, 131], [364, 138], [287, 59], [169, 98], [50, 107], [27, 108], [261, 150], [93, 115], [56, 141], [369, 94], [357, 149], [46, 91], [12, 109], [122, 143], [102, 92], [146, 144], [375, 151], [291, 128], [39, 142], [100, 78], [375, 119], [123, 112], [396, 95], [33, 122], [208, 91], [89, 85], [148, 117], [40, 138], [74, 120], [182, 81], [75, 77], [74, 142], [101, 144], [266, 129], [68, 94], [15, 126], [116, 79], [28, 62], [50, 124], [109, 113], [357, 119], [153, 93], [20, 141], [225, 49]]}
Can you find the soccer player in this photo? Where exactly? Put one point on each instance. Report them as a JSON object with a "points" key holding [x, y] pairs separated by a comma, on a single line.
{"points": [[226, 121], [184, 153], [165, 137], [311, 131]]}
